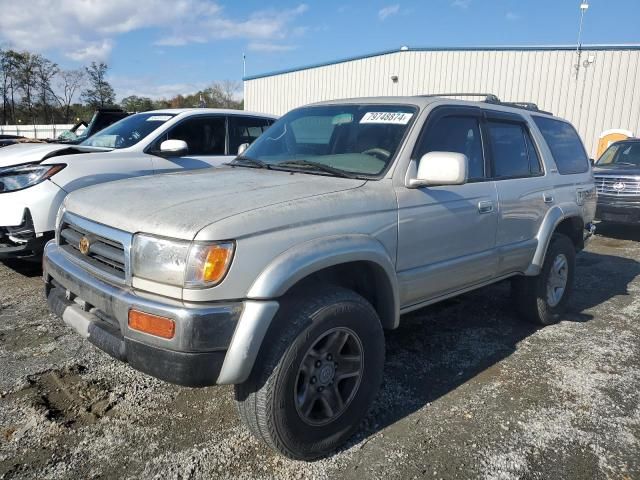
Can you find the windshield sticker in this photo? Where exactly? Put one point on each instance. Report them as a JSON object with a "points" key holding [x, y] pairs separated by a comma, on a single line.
{"points": [[396, 118], [158, 118]]}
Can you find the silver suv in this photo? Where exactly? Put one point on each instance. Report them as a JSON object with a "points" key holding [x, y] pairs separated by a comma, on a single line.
{"points": [[280, 272]]}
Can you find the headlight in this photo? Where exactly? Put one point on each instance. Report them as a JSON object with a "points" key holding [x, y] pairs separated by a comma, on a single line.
{"points": [[23, 176], [181, 263]]}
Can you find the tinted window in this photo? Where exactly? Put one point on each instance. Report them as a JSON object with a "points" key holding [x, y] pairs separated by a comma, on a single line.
{"points": [[458, 134], [565, 145], [514, 154], [245, 130], [204, 135]]}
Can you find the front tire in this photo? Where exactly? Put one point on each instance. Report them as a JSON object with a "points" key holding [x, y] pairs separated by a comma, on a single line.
{"points": [[542, 299], [317, 374]]}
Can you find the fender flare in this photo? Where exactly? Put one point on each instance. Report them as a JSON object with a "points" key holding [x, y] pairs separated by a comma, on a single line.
{"points": [[556, 215], [307, 258]]}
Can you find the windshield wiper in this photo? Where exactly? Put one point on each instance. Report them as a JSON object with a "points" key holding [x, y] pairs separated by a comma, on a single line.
{"points": [[243, 161], [315, 166]]}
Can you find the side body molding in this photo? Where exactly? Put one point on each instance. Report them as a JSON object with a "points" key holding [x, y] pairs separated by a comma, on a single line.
{"points": [[302, 260], [554, 216]]}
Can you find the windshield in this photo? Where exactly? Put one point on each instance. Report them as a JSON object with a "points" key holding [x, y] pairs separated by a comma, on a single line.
{"points": [[128, 131], [621, 154], [349, 139]]}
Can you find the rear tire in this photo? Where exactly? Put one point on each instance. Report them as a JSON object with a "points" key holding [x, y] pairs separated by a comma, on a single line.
{"points": [[542, 299], [317, 374]]}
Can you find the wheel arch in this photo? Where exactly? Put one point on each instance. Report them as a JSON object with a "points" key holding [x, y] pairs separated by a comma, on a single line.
{"points": [[358, 262], [565, 219]]}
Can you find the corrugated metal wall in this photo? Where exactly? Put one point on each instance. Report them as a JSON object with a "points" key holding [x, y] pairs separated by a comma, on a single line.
{"points": [[606, 94]]}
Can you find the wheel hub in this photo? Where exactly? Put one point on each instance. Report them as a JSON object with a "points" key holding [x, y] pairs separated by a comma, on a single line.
{"points": [[326, 374], [329, 376], [557, 281]]}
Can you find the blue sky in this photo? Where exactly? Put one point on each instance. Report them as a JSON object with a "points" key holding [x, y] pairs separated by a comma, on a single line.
{"points": [[162, 47]]}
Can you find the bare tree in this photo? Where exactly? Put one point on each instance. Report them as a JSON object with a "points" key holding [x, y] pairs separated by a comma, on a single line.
{"points": [[70, 82], [46, 70]]}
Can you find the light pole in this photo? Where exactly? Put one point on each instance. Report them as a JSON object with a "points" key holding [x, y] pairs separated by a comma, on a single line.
{"points": [[584, 6]]}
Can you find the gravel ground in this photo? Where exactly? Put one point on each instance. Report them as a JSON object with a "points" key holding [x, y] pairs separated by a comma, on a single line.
{"points": [[470, 391]]}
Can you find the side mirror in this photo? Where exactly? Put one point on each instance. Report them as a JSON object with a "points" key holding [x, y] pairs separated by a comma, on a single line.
{"points": [[174, 147], [243, 148], [441, 168]]}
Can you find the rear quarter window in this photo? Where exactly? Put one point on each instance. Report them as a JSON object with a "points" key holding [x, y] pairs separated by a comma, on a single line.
{"points": [[565, 145]]}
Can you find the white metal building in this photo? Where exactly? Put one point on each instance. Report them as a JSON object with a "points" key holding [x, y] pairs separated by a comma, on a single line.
{"points": [[604, 95]]}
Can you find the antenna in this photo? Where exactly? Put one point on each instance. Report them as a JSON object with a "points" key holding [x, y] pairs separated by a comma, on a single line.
{"points": [[244, 65], [584, 6]]}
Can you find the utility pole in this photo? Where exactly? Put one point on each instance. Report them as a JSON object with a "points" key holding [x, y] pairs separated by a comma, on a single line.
{"points": [[584, 6]]}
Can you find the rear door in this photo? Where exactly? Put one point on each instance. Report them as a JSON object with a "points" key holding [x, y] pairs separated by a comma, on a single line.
{"points": [[206, 137], [446, 234], [525, 194]]}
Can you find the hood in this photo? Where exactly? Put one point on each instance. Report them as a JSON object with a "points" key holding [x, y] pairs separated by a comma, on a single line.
{"points": [[616, 169], [21, 153], [178, 205]]}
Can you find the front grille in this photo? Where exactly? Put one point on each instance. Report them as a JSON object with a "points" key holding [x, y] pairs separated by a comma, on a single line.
{"points": [[105, 255], [618, 186]]}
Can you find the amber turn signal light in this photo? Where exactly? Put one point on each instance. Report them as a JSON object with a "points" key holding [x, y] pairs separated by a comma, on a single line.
{"points": [[152, 324]]}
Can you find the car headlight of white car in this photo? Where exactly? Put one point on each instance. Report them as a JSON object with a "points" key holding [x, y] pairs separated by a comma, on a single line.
{"points": [[23, 176], [181, 263]]}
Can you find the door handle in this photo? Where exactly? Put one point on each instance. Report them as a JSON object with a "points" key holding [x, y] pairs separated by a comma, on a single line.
{"points": [[547, 197], [485, 206]]}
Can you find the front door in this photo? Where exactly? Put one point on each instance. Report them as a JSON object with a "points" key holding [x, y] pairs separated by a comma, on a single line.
{"points": [[446, 234], [206, 137]]}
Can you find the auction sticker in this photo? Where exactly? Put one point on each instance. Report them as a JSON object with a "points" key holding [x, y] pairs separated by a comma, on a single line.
{"points": [[396, 118]]}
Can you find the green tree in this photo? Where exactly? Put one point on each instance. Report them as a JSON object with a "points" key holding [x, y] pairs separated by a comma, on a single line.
{"points": [[99, 92], [134, 103]]}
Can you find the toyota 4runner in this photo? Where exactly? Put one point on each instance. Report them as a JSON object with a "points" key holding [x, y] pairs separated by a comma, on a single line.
{"points": [[280, 272]]}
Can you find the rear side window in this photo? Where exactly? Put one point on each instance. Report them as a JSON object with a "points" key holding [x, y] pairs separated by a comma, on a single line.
{"points": [[514, 154], [245, 130], [460, 134], [565, 145]]}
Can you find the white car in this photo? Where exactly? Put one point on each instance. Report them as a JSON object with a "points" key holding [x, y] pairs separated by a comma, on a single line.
{"points": [[35, 178]]}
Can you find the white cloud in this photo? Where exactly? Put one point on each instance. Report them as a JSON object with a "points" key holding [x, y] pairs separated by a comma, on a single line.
{"points": [[512, 16], [146, 87], [462, 4], [386, 12], [85, 30], [92, 51], [267, 47]]}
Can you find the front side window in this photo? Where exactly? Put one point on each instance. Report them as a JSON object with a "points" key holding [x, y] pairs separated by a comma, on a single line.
{"points": [[245, 130], [456, 133], [514, 154], [626, 154], [565, 145], [334, 139], [203, 135], [128, 131]]}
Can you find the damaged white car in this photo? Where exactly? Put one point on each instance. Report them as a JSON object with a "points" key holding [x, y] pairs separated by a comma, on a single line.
{"points": [[35, 178]]}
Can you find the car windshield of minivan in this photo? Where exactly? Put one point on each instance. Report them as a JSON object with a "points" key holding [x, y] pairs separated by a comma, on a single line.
{"points": [[128, 131], [621, 154], [339, 140]]}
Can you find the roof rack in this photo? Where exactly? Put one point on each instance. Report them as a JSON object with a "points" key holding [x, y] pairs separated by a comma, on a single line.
{"points": [[492, 99]]}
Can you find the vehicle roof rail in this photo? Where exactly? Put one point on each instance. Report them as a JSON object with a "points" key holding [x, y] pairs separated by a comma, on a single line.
{"points": [[494, 100], [488, 97]]}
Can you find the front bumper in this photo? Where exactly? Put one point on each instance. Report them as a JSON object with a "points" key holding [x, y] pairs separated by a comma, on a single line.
{"points": [[22, 241], [618, 211], [213, 343]]}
